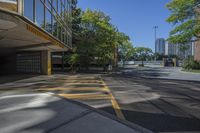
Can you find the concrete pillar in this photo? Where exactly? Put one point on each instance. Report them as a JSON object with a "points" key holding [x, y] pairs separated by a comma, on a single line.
{"points": [[20, 7], [46, 62], [175, 62], [164, 62]]}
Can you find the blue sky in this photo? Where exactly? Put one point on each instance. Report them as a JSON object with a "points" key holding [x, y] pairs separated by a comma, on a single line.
{"points": [[136, 18]]}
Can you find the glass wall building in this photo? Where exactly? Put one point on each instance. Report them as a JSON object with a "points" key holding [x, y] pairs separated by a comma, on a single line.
{"points": [[160, 46], [53, 16], [32, 30]]}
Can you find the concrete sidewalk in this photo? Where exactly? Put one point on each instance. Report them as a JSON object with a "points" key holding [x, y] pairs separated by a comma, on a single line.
{"points": [[45, 112]]}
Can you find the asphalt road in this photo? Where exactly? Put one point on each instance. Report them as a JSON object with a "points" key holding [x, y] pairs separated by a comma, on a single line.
{"points": [[147, 97], [158, 104]]}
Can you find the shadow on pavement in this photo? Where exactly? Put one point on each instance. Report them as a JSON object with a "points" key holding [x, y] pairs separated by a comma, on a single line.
{"points": [[14, 77], [47, 114], [144, 72], [157, 104], [162, 122]]}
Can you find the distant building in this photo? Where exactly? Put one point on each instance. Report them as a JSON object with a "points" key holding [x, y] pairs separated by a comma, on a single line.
{"points": [[160, 46], [172, 49], [176, 49]]}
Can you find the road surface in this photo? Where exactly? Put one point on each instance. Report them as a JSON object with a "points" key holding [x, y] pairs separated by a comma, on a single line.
{"points": [[149, 97]]}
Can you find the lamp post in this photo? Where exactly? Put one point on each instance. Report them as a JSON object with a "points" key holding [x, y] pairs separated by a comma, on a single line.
{"points": [[155, 31]]}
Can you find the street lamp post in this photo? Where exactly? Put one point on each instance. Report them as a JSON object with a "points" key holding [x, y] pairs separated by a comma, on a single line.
{"points": [[155, 30]]}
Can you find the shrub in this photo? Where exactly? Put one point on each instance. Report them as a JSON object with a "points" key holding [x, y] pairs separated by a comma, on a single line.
{"points": [[189, 63]]}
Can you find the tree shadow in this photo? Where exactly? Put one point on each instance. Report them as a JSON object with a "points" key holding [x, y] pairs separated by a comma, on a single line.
{"points": [[60, 115], [15, 77], [175, 108]]}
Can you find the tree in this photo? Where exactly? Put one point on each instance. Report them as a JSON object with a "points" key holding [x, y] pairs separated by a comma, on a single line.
{"points": [[143, 53], [76, 22], [158, 56], [95, 39], [184, 48], [126, 50], [185, 17], [98, 37]]}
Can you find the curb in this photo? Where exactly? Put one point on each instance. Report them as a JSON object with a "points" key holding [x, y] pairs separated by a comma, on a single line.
{"points": [[124, 122]]}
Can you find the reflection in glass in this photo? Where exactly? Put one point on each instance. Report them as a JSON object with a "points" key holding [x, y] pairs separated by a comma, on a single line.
{"points": [[40, 14], [51, 15], [48, 25], [28, 9]]}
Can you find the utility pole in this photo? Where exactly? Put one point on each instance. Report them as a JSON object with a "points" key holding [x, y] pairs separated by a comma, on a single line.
{"points": [[155, 30]]}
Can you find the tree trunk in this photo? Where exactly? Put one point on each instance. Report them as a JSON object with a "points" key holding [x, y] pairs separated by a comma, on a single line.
{"points": [[197, 51]]}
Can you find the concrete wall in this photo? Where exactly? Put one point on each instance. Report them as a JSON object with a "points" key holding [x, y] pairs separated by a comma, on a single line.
{"points": [[197, 51]]}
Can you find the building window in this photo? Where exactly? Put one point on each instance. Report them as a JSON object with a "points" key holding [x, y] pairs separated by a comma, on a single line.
{"points": [[40, 21], [48, 22], [28, 9], [54, 16]]}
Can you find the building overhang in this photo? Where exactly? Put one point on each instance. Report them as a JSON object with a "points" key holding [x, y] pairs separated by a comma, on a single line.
{"points": [[18, 33]]}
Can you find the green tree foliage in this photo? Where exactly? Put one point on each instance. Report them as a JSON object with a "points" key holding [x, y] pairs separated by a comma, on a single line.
{"points": [[125, 47], [158, 56], [184, 48], [190, 64], [143, 53], [95, 39], [76, 22], [185, 17]]}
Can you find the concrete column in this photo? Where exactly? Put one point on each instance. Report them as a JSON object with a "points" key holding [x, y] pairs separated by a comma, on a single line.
{"points": [[20, 7], [175, 62], [164, 62], [46, 62]]}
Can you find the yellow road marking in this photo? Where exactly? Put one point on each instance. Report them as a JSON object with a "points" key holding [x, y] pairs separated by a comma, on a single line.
{"points": [[84, 96], [114, 102], [76, 80], [72, 89]]}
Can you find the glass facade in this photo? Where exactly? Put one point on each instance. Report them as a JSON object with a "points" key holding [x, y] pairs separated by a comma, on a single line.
{"points": [[53, 16]]}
